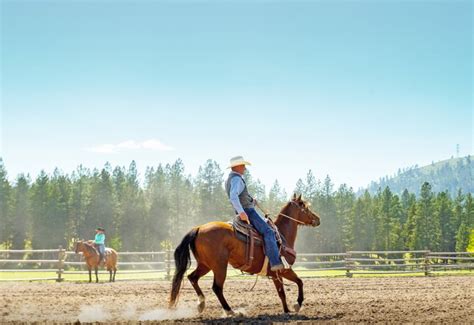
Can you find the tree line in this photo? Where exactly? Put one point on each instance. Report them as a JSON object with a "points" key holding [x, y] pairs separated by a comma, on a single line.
{"points": [[154, 213]]}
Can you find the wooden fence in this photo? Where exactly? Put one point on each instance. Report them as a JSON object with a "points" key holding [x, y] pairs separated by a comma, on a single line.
{"points": [[64, 263]]}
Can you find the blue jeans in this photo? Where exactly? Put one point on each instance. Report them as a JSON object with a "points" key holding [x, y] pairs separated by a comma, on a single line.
{"points": [[271, 248], [101, 249]]}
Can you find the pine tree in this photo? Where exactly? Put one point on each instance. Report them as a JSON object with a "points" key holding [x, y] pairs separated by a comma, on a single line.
{"points": [[212, 203], [409, 229], [300, 187], [469, 210], [466, 224], [427, 226], [384, 219], [363, 229], [58, 209], [181, 212], [326, 237], [443, 211], [131, 210], [40, 203], [255, 187], [396, 240], [277, 197], [79, 224], [344, 201], [21, 212], [102, 208], [6, 219], [312, 187], [157, 199], [462, 238]]}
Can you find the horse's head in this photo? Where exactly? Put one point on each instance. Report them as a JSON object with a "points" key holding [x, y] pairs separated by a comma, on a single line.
{"points": [[78, 246], [300, 209]]}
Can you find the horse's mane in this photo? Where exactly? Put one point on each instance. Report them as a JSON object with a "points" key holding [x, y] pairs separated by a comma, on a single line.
{"points": [[279, 218]]}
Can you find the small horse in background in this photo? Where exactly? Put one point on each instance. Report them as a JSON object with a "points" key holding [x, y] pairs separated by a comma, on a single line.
{"points": [[91, 256]]}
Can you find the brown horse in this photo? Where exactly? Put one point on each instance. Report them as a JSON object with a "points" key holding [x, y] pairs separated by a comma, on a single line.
{"points": [[214, 245], [91, 256]]}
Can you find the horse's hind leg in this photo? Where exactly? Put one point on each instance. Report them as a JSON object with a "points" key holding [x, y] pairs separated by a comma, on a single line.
{"points": [[194, 277], [110, 272], [220, 273], [96, 274], [115, 271]]}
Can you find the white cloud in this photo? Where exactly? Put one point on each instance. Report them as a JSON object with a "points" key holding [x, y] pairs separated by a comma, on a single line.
{"points": [[154, 144], [129, 145]]}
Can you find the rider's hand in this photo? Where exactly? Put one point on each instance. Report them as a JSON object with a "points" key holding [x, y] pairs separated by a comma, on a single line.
{"points": [[244, 217]]}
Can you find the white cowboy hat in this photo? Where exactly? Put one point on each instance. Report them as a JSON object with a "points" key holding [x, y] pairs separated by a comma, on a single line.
{"points": [[237, 161]]}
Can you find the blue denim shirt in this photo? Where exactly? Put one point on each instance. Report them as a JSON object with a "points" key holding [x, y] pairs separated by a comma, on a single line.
{"points": [[236, 187]]}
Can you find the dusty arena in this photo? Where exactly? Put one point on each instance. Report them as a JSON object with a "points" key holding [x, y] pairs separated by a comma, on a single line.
{"points": [[391, 299]]}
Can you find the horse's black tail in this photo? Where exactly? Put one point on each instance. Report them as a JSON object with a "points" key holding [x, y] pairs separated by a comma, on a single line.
{"points": [[182, 260]]}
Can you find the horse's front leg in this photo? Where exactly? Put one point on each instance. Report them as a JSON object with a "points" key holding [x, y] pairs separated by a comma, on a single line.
{"points": [[90, 274], [291, 275], [220, 272], [96, 274], [278, 281]]}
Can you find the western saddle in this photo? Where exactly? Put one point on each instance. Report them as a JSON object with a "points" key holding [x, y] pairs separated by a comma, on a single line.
{"points": [[247, 233]]}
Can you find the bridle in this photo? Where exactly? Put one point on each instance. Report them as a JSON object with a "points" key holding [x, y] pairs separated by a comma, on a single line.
{"points": [[295, 220], [85, 248]]}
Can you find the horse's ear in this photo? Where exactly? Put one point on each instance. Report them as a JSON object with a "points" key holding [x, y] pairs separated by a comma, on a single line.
{"points": [[299, 198], [294, 196]]}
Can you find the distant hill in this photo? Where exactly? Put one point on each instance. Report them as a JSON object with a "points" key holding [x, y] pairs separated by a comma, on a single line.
{"points": [[451, 174]]}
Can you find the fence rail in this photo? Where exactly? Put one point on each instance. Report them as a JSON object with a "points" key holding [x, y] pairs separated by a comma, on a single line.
{"points": [[352, 262]]}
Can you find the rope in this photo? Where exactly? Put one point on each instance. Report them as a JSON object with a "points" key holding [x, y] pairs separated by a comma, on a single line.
{"points": [[256, 279], [280, 214]]}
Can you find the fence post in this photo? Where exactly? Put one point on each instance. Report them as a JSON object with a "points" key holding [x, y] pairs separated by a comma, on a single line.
{"points": [[348, 264], [427, 263], [168, 264], [61, 255]]}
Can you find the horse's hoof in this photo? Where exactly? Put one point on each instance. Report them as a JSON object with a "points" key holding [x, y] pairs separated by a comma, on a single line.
{"points": [[201, 306], [230, 312], [201, 303], [297, 307]]}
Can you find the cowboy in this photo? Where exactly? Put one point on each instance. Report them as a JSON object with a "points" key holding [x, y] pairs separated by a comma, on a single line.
{"points": [[244, 206], [99, 243]]}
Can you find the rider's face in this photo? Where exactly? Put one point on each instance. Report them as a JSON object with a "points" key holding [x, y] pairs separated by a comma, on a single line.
{"points": [[240, 169]]}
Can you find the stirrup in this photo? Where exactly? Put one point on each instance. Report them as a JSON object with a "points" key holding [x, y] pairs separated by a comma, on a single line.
{"points": [[285, 263]]}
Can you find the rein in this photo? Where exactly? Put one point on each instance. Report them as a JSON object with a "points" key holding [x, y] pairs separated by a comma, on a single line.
{"points": [[295, 220], [282, 214]]}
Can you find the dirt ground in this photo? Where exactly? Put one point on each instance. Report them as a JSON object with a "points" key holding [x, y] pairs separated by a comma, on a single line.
{"points": [[447, 299]]}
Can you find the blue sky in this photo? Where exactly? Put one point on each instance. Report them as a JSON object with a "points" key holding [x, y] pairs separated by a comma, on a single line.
{"points": [[353, 89]]}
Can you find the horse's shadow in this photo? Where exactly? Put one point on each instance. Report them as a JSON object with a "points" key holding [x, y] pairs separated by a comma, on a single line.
{"points": [[269, 319]]}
